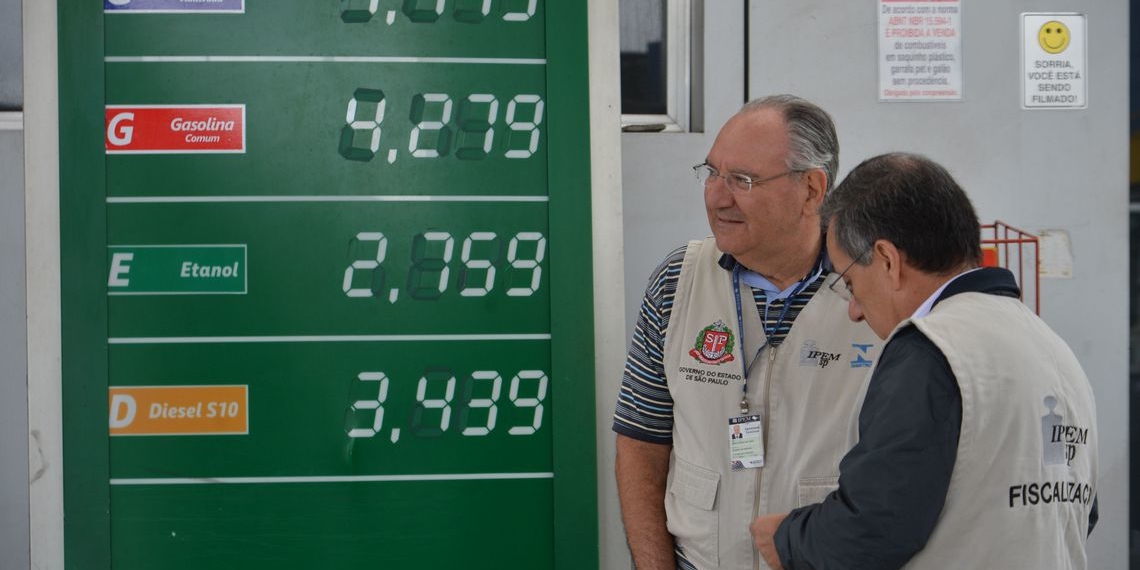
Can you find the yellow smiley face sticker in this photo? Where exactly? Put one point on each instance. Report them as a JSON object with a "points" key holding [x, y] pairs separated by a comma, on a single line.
{"points": [[1053, 37]]}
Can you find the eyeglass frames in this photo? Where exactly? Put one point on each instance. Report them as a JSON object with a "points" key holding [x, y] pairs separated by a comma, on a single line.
{"points": [[733, 181], [840, 286]]}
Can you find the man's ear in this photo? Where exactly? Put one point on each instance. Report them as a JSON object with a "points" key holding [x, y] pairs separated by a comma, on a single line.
{"points": [[886, 253], [817, 188]]}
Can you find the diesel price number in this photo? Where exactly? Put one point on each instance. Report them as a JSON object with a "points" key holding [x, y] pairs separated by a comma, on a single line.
{"points": [[444, 404]]}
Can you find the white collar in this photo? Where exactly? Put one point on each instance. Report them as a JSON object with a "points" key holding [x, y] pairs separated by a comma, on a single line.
{"points": [[926, 306]]}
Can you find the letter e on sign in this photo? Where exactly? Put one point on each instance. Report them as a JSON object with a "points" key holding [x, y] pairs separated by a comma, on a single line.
{"points": [[119, 269]]}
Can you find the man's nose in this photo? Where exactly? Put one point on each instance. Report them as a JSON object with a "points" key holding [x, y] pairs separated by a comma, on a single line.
{"points": [[717, 192]]}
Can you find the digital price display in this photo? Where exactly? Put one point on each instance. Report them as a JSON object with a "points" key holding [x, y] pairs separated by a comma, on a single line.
{"points": [[341, 290]]}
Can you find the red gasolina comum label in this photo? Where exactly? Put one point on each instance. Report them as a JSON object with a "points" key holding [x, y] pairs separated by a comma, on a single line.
{"points": [[175, 129]]}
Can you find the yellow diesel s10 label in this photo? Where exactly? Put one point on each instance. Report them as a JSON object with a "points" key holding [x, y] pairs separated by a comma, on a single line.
{"points": [[179, 410]]}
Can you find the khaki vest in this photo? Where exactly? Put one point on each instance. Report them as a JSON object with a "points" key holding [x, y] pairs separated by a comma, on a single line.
{"points": [[1026, 469], [808, 391]]}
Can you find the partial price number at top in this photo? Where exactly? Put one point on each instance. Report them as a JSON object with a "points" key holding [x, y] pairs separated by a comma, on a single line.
{"points": [[432, 11]]}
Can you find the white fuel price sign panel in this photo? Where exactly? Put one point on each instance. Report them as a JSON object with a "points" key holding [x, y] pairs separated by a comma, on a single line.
{"points": [[327, 284]]}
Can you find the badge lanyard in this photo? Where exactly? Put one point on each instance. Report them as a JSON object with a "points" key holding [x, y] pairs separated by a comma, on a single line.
{"points": [[768, 332]]}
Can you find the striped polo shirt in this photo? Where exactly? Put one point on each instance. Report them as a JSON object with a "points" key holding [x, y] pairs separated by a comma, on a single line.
{"points": [[645, 409]]}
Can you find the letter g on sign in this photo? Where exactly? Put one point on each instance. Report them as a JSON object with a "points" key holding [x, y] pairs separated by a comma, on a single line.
{"points": [[120, 135]]}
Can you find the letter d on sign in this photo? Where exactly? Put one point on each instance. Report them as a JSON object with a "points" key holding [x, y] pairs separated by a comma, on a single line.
{"points": [[123, 408]]}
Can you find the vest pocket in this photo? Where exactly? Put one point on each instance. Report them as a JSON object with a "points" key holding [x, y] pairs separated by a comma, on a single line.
{"points": [[690, 508], [816, 489]]}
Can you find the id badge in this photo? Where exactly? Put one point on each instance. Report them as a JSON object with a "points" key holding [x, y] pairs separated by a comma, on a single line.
{"points": [[746, 442]]}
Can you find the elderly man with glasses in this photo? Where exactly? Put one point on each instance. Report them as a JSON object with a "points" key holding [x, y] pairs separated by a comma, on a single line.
{"points": [[977, 437], [743, 373]]}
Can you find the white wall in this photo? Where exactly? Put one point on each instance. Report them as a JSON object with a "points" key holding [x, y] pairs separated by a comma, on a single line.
{"points": [[663, 204], [41, 197], [1039, 169], [11, 80], [609, 302], [13, 342], [13, 350], [661, 208]]}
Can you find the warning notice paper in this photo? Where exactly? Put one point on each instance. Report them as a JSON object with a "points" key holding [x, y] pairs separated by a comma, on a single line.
{"points": [[1054, 62], [920, 50]]}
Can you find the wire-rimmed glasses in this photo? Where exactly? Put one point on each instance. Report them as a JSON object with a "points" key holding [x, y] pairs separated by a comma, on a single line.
{"points": [[733, 181], [840, 286]]}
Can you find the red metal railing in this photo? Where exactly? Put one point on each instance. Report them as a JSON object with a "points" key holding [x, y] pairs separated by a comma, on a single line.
{"points": [[1005, 246]]}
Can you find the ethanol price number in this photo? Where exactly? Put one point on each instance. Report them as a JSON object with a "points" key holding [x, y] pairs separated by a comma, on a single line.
{"points": [[432, 257]]}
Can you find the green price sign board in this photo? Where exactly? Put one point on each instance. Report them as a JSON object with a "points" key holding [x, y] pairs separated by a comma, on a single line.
{"points": [[327, 279]]}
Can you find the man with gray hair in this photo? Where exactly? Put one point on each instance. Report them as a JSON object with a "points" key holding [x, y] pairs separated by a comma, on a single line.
{"points": [[977, 439], [743, 373]]}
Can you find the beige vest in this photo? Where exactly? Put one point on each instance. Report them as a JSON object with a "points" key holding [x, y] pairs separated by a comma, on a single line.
{"points": [[1026, 469], [807, 390]]}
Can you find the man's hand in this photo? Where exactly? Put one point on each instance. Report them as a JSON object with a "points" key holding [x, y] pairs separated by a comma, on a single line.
{"points": [[642, 470], [763, 537]]}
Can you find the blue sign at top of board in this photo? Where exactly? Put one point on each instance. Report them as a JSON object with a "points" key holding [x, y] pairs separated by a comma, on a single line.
{"points": [[174, 6]]}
